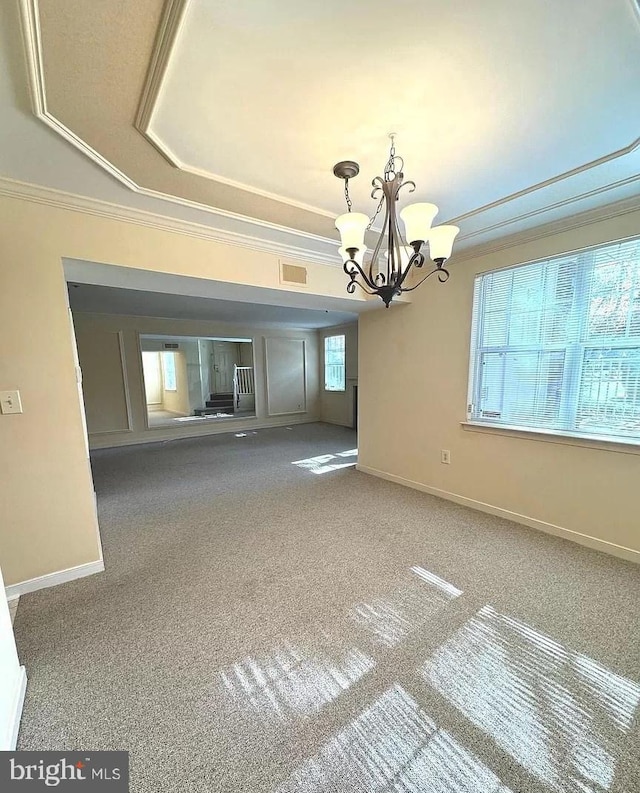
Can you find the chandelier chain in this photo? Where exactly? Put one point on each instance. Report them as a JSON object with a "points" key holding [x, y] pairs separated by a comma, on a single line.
{"points": [[376, 213], [347, 196], [389, 168]]}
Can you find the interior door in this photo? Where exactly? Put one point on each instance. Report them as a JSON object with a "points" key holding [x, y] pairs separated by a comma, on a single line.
{"points": [[223, 360]]}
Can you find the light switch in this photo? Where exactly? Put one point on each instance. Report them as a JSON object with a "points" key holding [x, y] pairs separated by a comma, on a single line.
{"points": [[10, 402]]}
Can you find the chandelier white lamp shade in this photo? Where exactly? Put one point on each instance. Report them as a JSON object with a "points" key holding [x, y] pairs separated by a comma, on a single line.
{"points": [[441, 241], [389, 281], [352, 227], [417, 219]]}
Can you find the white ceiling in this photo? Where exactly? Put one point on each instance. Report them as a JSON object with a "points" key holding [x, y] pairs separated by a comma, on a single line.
{"points": [[495, 97], [488, 99], [129, 302], [107, 289]]}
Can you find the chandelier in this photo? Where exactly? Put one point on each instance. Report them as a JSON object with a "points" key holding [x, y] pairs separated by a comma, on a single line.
{"points": [[388, 280]]}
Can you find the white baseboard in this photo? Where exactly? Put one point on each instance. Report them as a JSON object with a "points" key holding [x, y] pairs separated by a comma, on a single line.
{"points": [[336, 423], [549, 528], [53, 579], [104, 441], [10, 739]]}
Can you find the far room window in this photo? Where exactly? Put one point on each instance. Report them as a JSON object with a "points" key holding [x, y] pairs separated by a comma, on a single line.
{"points": [[169, 371], [556, 345], [334, 363]]}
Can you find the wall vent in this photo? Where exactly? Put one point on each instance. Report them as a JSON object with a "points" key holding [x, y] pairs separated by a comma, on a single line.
{"points": [[293, 274], [171, 345]]}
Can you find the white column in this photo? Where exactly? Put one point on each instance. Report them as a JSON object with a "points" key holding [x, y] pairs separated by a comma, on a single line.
{"points": [[13, 679]]}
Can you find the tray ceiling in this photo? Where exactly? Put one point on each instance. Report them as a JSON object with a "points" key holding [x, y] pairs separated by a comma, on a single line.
{"points": [[508, 115]]}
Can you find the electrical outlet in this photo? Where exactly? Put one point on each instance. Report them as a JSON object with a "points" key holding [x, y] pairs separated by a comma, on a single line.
{"points": [[10, 402], [445, 456]]}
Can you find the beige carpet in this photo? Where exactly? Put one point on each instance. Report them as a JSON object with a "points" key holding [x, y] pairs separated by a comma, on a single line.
{"points": [[270, 626]]}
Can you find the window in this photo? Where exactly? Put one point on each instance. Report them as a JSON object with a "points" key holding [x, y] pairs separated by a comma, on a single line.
{"points": [[556, 344], [169, 371], [334, 363]]}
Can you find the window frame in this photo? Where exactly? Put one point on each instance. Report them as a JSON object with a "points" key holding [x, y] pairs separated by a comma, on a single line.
{"points": [[343, 365], [576, 349]]}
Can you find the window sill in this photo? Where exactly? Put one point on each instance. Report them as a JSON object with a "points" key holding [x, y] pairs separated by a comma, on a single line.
{"points": [[631, 446]]}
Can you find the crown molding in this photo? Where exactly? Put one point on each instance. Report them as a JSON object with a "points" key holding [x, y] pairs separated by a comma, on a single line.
{"points": [[587, 218], [59, 199]]}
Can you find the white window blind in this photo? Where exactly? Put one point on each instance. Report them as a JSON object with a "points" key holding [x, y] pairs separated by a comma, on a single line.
{"points": [[169, 371], [334, 363], [556, 344]]}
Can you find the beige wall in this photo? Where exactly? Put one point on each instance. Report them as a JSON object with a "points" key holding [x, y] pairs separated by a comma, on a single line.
{"points": [[89, 326], [104, 395], [46, 492], [336, 407], [174, 401], [419, 354]]}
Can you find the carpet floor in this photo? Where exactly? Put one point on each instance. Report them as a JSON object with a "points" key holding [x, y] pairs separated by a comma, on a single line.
{"points": [[271, 619]]}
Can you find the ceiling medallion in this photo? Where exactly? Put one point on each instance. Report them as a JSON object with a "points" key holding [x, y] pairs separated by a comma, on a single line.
{"points": [[388, 280]]}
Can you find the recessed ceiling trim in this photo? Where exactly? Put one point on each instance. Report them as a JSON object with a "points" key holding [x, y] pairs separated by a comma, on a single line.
{"points": [[631, 147], [171, 25], [32, 40], [177, 163], [586, 218], [165, 46], [174, 15], [33, 51], [550, 207]]}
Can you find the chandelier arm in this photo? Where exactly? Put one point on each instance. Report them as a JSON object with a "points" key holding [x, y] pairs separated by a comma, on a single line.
{"points": [[376, 250], [351, 288], [411, 185], [443, 275], [378, 184], [351, 272], [416, 260], [393, 249], [396, 240]]}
